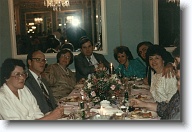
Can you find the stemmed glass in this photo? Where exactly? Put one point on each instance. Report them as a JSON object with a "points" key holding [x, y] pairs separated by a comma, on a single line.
{"points": [[134, 78]]}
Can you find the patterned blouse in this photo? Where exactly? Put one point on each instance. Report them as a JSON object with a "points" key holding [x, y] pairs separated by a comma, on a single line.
{"points": [[162, 89], [169, 110], [61, 81]]}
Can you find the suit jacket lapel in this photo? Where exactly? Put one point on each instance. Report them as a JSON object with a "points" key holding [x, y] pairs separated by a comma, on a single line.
{"points": [[34, 83], [84, 59]]}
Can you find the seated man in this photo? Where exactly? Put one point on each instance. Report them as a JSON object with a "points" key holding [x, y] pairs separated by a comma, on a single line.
{"points": [[39, 87], [87, 62]]}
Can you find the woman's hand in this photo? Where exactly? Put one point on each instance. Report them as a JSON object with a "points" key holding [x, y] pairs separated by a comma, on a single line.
{"points": [[168, 70], [148, 105], [145, 81], [58, 112], [137, 103]]}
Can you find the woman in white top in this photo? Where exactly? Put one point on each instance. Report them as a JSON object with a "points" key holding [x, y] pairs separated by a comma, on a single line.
{"points": [[162, 89], [16, 100]]}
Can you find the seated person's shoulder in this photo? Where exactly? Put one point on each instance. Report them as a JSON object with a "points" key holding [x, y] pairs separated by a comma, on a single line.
{"points": [[77, 57], [2, 93], [51, 66], [136, 63], [97, 54]]}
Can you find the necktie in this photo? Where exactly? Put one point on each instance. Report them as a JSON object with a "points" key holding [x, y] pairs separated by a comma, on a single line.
{"points": [[89, 60], [46, 95]]}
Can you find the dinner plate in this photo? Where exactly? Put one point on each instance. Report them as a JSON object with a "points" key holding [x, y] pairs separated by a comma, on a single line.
{"points": [[70, 99], [142, 97], [63, 118], [137, 86], [142, 115]]}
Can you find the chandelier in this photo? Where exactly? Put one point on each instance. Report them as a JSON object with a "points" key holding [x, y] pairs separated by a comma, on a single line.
{"points": [[174, 1], [38, 20], [56, 4]]}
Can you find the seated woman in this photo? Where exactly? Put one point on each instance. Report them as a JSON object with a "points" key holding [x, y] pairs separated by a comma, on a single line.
{"points": [[61, 79], [141, 51], [162, 89], [16, 100], [170, 110], [128, 66]]}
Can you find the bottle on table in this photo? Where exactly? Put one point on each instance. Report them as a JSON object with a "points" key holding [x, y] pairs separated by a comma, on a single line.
{"points": [[126, 96], [82, 107]]}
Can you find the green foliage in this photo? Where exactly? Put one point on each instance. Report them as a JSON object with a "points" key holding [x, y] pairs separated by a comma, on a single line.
{"points": [[102, 86]]}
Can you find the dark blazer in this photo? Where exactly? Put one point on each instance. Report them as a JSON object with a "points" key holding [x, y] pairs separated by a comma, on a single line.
{"points": [[82, 67], [35, 89]]}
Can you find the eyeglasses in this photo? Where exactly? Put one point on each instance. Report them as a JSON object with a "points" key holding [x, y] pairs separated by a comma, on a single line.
{"points": [[39, 60], [67, 57], [17, 75]]}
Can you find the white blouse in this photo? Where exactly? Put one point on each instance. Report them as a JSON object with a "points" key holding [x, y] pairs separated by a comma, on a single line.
{"points": [[24, 108], [162, 89]]}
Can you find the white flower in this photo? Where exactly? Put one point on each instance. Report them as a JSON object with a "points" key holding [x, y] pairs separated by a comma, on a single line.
{"points": [[119, 82], [114, 77], [89, 85], [93, 94], [112, 87]]}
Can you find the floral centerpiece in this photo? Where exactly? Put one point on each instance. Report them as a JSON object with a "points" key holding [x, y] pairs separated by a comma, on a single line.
{"points": [[102, 86]]}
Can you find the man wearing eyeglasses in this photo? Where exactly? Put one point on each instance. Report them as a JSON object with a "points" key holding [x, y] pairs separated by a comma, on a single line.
{"points": [[39, 87]]}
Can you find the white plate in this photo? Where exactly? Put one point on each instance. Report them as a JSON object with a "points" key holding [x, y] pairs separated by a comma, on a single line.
{"points": [[143, 97], [140, 117]]}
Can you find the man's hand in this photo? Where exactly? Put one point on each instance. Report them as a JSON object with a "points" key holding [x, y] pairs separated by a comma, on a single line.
{"points": [[145, 81], [168, 70]]}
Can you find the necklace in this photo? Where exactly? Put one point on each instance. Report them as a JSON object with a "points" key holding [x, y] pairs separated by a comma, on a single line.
{"points": [[64, 69]]}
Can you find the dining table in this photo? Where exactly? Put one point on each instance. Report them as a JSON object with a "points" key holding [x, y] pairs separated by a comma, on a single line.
{"points": [[105, 110]]}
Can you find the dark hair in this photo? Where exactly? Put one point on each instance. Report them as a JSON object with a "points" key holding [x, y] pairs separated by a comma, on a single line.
{"points": [[147, 43], [63, 52], [53, 42], [83, 40], [157, 50], [8, 66], [121, 49], [30, 55], [68, 46], [176, 52]]}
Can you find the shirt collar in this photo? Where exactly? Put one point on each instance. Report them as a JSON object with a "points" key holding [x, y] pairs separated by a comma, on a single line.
{"points": [[34, 74]]}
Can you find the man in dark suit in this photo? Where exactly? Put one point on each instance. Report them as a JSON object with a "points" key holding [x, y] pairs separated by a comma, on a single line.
{"points": [[39, 88], [88, 62]]}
